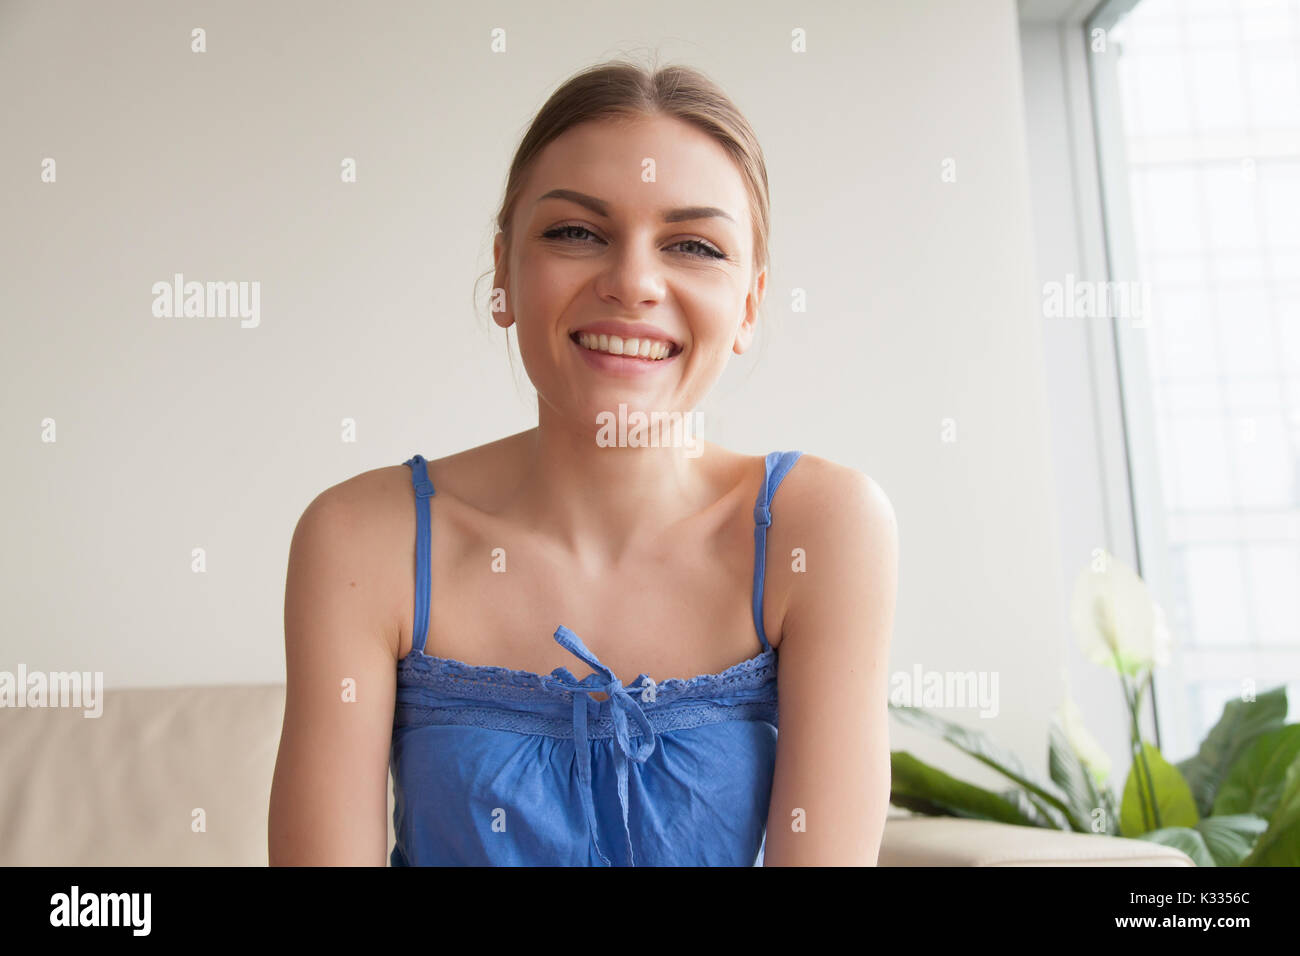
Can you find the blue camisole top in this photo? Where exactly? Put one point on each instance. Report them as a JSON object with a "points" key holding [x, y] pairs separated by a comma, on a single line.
{"points": [[493, 766]]}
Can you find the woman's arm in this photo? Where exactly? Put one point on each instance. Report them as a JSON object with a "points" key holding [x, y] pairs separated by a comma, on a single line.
{"points": [[329, 796], [830, 792]]}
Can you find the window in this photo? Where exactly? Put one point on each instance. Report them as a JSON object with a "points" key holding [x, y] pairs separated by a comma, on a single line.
{"points": [[1198, 128]]}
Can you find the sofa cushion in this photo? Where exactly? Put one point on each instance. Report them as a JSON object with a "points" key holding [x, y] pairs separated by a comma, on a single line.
{"points": [[122, 789]]}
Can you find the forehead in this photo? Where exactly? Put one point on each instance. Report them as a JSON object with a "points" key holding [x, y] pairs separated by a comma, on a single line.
{"points": [[608, 158]]}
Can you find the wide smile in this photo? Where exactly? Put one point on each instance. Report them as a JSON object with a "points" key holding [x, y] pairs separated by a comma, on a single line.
{"points": [[651, 354]]}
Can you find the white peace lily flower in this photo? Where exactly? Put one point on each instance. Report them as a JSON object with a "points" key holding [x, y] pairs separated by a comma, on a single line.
{"points": [[1118, 624], [1090, 753]]}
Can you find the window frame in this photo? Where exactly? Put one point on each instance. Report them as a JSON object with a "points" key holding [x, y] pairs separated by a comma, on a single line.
{"points": [[1123, 452], [1130, 497]]}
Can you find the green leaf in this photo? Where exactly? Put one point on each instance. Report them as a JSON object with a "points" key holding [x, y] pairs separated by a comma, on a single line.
{"points": [[1256, 780], [1241, 722], [917, 786], [1230, 838], [1080, 790], [1172, 794], [1280, 844], [1041, 814], [918, 805], [1186, 839], [978, 745]]}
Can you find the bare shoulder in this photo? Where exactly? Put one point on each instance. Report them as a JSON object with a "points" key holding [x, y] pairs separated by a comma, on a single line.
{"points": [[360, 509], [358, 535], [368, 520], [845, 525], [352, 539], [823, 495]]}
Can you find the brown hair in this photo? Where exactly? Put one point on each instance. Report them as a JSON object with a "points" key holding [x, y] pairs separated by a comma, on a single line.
{"points": [[624, 89]]}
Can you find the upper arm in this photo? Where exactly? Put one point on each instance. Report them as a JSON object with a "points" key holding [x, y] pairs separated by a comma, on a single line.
{"points": [[830, 790], [329, 796]]}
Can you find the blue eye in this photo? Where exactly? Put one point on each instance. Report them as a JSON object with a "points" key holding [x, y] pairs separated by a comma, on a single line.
{"points": [[559, 232], [565, 234], [709, 251]]}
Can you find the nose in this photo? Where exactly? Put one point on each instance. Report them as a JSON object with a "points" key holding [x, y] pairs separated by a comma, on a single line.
{"points": [[634, 276]]}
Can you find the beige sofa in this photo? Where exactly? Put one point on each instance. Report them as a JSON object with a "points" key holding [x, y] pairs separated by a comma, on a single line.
{"points": [[126, 788]]}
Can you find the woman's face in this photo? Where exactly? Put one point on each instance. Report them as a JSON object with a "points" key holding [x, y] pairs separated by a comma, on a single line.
{"points": [[653, 230]]}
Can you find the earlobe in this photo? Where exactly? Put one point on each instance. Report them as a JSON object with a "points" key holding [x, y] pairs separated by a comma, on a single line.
{"points": [[501, 314], [744, 337], [498, 302]]}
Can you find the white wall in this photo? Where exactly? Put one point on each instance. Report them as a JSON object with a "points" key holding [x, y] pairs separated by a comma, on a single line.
{"points": [[175, 434]]}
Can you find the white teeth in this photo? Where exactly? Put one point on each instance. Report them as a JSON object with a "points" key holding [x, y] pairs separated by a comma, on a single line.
{"points": [[652, 349]]}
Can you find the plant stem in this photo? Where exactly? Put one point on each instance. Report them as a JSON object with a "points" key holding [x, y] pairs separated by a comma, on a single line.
{"points": [[1147, 790], [1142, 752], [1135, 751], [1146, 784]]}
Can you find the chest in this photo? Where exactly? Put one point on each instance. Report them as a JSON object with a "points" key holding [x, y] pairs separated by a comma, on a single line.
{"points": [[679, 607]]}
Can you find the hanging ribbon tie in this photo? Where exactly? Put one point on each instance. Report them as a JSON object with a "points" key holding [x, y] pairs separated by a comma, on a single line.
{"points": [[621, 705]]}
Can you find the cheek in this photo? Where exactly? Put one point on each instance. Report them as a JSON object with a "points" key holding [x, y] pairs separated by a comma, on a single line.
{"points": [[715, 313], [543, 286]]}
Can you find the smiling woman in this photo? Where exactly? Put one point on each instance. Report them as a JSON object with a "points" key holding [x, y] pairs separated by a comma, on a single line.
{"points": [[631, 258]]}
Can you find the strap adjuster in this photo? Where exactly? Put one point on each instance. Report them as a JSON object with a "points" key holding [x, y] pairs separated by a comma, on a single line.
{"points": [[762, 515], [420, 476]]}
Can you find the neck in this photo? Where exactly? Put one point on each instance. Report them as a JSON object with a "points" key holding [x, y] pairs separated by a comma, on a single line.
{"points": [[602, 502]]}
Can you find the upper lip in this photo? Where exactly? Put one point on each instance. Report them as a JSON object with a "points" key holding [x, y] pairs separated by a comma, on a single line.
{"points": [[628, 330]]}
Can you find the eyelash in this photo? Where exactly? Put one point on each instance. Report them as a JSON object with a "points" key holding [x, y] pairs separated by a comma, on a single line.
{"points": [[712, 252]]}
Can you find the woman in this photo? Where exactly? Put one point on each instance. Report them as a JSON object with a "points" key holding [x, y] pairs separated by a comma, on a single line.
{"points": [[583, 667]]}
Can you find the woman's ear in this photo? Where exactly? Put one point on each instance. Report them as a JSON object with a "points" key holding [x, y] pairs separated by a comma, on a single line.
{"points": [[749, 322], [502, 314]]}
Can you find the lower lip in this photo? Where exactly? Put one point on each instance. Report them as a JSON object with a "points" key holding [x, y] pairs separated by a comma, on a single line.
{"points": [[623, 365]]}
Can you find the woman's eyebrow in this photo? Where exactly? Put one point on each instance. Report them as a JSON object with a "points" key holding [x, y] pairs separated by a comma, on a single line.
{"points": [[601, 208]]}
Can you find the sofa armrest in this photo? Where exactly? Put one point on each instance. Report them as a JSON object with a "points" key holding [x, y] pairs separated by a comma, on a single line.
{"points": [[956, 841]]}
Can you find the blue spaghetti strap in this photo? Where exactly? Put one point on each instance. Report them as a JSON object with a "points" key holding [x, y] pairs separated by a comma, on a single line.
{"points": [[423, 492], [779, 464]]}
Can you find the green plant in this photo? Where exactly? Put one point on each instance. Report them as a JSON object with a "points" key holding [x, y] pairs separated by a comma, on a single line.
{"points": [[1236, 802]]}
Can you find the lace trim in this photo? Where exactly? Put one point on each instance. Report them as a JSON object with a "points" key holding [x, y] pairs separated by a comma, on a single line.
{"points": [[488, 682]]}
